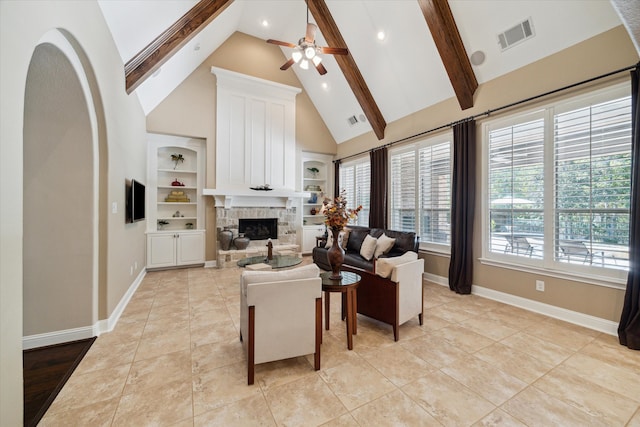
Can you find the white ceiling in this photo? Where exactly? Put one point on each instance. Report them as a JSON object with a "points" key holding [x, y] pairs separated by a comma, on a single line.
{"points": [[403, 72]]}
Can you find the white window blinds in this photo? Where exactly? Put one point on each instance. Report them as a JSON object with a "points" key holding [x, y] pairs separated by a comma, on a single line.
{"points": [[355, 180]]}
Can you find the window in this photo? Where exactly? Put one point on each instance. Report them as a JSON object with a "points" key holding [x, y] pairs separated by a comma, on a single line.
{"points": [[420, 195], [559, 185], [355, 180]]}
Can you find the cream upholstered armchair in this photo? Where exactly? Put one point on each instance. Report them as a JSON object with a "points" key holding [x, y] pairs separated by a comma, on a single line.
{"points": [[393, 294], [280, 315]]}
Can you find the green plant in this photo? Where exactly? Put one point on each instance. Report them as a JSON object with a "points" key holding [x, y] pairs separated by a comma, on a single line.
{"points": [[313, 170], [176, 158]]}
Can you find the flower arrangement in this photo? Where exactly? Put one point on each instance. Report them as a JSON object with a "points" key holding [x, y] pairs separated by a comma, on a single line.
{"points": [[177, 158], [336, 214]]}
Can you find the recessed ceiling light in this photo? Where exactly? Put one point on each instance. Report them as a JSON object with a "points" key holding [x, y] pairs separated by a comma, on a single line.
{"points": [[381, 35], [265, 23], [325, 86], [477, 57]]}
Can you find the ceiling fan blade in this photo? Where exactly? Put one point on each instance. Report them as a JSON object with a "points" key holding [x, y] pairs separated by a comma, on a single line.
{"points": [[321, 69], [287, 64], [335, 50], [310, 36], [279, 43]]}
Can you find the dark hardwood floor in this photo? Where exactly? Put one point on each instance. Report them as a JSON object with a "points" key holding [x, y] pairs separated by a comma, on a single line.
{"points": [[45, 370]]}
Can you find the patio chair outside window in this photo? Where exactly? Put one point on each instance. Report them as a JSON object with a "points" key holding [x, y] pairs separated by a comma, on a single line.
{"points": [[578, 251], [518, 245]]}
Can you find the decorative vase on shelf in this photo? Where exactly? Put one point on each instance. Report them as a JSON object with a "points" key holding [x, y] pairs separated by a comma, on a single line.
{"points": [[241, 242], [225, 237], [335, 255]]}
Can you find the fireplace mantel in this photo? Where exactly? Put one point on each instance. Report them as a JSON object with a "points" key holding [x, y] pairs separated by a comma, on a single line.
{"points": [[253, 198]]}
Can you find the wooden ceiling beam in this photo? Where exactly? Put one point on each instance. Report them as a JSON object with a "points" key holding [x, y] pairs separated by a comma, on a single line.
{"points": [[149, 59], [447, 38], [347, 64]]}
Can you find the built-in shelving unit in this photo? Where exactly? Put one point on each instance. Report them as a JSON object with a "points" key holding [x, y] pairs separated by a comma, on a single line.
{"points": [[316, 173], [175, 226]]}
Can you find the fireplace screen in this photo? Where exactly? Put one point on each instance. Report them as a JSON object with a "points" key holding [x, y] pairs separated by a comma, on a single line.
{"points": [[259, 228]]}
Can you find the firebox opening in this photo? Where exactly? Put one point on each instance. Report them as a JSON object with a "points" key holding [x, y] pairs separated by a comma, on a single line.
{"points": [[259, 228]]}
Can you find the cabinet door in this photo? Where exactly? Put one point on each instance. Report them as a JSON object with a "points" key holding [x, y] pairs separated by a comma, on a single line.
{"points": [[309, 235], [161, 250], [190, 248]]}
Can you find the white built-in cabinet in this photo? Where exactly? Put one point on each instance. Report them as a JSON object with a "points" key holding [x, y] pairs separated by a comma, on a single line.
{"points": [[317, 179], [175, 220]]}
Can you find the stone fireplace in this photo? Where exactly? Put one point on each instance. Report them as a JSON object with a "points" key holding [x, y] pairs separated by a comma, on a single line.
{"points": [[286, 220]]}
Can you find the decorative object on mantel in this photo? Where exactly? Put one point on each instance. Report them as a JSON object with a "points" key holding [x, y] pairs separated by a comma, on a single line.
{"points": [[225, 236], [314, 171], [262, 188], [176, 196], [176, 158], [177, 183], [162, 223], [241, 242], [336, 216]]}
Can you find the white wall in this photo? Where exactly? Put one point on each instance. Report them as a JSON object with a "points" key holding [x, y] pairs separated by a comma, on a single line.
{"points": [[121, 130]]}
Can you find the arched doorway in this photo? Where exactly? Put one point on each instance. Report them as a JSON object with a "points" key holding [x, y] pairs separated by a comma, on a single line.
{"points": [[60, 187]]}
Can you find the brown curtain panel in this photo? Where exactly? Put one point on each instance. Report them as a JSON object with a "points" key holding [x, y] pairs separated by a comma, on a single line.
{"points": [[463, 196], [378, 200], [336, 178], [629, 328]]}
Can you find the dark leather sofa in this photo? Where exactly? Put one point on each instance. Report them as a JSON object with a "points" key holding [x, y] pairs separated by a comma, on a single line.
{"points": [[405, 241]]}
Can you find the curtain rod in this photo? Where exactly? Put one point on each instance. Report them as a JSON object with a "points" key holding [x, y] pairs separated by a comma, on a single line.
{"points": [[491, 111]]}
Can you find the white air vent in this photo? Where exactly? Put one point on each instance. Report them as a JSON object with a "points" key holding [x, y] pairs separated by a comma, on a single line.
{"points": [[352, 120], [516, 35]]}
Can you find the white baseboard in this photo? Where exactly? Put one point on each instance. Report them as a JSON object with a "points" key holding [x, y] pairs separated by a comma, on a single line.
{"points": [[210, 264], [575, 317], [101, 326]]}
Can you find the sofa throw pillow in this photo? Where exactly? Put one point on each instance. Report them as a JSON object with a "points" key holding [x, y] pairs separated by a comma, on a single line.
{"points": [[384, 266], [343, 237], [383, 245], [368, 247]]}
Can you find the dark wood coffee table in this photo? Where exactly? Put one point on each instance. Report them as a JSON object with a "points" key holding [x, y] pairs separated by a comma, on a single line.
{"points": [[347, 285]]}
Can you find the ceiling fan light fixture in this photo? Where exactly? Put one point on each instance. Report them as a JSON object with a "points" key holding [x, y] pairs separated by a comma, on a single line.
{"points": [[309, 52], [296, 56], [316, 60], [304, 64]]}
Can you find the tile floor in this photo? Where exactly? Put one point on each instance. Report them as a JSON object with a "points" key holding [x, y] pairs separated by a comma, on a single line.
{"points": [[174, 359]]}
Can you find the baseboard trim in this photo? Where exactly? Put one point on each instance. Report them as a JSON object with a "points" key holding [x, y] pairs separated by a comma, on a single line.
{"points": [[101, 326], [210, 264], [596, 323]]}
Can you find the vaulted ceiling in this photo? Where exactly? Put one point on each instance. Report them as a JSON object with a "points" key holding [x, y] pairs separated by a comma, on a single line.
{"points": [[415, 65]]}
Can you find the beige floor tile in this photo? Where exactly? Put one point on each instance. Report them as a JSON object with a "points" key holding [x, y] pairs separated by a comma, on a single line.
{"points": [[96, 414], [486, 380], [433, 323], [223, 331], [305, 402], [272, 374], [345, 420], [157, 344], [635, 420], [562, 334], [156, 371], [596, 401], [434, 350], [92, 387], [542, 350], [448, 401], [614, 378], [163, 405], [514, 362], [107, 352], [207, 357], [356, 383], [608, 349], [252, 411], [449, 314], [219, 387], [463, 338], [499, 418], [397, 364], [536, 408], [393, 409], [489, 328]]}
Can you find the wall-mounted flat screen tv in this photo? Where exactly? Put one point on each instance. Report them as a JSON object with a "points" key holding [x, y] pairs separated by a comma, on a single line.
{"points": [[135, 199]]}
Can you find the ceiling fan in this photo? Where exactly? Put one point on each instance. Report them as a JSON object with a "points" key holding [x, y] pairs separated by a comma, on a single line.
{"points": [[307, 51]]}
